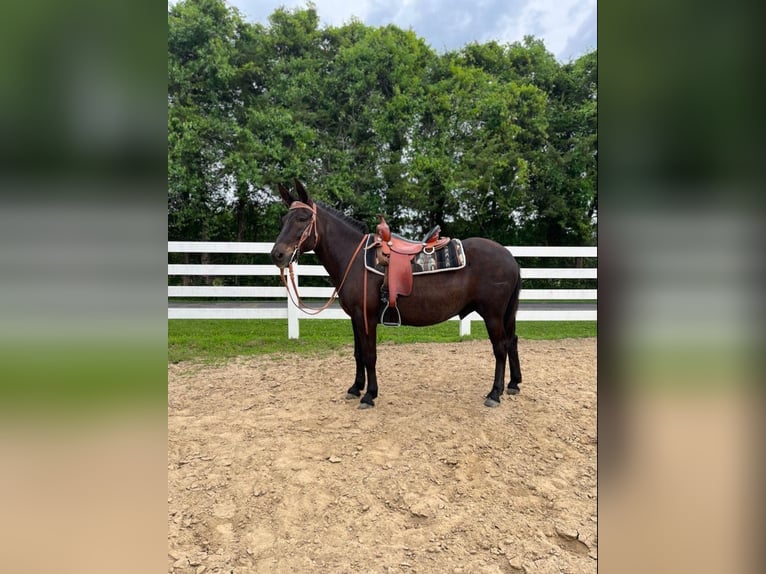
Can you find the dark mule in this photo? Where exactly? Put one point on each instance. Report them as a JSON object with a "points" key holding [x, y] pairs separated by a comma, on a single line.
{"points": [[489, 284]]}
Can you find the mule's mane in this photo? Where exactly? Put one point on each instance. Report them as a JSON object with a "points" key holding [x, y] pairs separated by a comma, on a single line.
{"points": [[343, 217]]}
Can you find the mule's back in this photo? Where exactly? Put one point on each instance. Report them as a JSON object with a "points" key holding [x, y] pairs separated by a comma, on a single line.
{"points": [[489, 278]]}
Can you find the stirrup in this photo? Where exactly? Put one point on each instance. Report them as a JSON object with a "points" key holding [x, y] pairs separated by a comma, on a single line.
{"points": [[389, 323]]}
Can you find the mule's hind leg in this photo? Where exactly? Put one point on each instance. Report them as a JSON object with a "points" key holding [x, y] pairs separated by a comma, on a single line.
{"points": [[500, 350], [513, 341], [355, 390], [513, 359]]}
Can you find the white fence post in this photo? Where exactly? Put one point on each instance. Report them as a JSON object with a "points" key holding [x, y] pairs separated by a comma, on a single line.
{"points": [[293, 328], [465, 326]]}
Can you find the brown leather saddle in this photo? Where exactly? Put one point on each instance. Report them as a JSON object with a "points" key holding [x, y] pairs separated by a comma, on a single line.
{"points": [[396, 253]]}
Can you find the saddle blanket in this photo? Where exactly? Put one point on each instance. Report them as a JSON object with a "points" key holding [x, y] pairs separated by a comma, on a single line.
{"points": [[451, 257]]}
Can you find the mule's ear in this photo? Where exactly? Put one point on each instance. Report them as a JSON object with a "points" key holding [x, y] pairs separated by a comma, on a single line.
{"points": [[302, 195], [285, 193]]}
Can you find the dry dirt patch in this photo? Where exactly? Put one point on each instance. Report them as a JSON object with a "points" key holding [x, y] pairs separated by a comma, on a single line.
{"points": [[271, 470]]}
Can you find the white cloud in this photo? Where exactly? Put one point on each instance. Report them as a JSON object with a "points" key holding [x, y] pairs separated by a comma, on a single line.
{"points": [[451, 24], [338, 12], [331, 12], [555, 21]]}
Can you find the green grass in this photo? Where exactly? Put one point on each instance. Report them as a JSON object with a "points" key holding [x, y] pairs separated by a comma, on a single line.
{"points": [[214, 340]]}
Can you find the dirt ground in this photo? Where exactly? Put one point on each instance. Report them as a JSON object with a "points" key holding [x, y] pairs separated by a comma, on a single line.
{"points": [[270, 469]]}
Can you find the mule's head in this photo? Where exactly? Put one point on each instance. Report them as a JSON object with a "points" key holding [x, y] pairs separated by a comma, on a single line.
{"points": [[299, 231]]}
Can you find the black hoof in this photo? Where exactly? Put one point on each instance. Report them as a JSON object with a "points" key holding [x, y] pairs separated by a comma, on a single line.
{"points": [[489, 402], [513, 391], [366, 405]]}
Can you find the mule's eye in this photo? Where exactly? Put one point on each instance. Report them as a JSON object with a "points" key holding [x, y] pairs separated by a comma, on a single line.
{"points": [[303, 218]]}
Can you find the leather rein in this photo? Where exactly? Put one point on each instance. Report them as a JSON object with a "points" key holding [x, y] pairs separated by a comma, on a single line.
{"points": [[312, 226]]}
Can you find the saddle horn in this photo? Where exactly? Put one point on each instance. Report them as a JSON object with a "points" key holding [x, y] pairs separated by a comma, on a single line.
{"points": [[382, 230]]}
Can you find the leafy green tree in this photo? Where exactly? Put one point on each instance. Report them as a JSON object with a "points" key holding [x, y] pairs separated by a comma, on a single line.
{"points": [[201, 121], [493, 140], [470, 159], [564, 175]]}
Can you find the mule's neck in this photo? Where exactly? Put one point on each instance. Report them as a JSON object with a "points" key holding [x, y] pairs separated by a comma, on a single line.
{"points": [[338, 240]]}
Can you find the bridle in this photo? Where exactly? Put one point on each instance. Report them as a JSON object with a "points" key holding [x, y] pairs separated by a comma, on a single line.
{"points": [[312, 226]]}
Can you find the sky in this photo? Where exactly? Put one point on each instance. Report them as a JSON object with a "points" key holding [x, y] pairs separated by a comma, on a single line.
{"points": [[567, 27]]}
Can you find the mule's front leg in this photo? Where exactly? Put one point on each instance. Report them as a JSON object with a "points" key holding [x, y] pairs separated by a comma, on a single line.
{"points": [[355, 390], [369, 358]]}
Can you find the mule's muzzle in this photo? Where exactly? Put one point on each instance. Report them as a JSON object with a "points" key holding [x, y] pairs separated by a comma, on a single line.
{"points": [[281, 256]]}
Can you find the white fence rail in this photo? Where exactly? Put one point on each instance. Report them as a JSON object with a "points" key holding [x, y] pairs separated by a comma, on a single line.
{"points": [[293, 314]]}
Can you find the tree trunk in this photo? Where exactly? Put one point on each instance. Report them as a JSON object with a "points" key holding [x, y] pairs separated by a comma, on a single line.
{"points": [[241, 219]]}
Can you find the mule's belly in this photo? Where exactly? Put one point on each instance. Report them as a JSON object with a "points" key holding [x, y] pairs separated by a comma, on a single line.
{"points": [[434, 299]]}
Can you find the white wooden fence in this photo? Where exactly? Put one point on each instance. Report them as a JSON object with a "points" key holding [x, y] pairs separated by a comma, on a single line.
{"points": [[293, 314]]}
